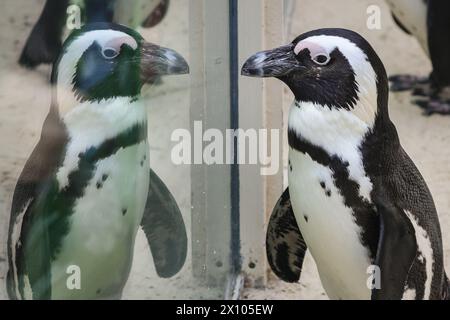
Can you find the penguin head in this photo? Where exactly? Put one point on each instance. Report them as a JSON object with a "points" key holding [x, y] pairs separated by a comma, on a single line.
{"points": [[102, 61], [333, 69]]}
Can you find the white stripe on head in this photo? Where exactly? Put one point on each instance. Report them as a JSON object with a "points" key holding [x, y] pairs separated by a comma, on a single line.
{"points": [[365, 76]]}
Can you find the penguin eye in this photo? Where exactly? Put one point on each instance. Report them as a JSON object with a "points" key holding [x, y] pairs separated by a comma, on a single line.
{"points": [[321, 59], [109, 53]]}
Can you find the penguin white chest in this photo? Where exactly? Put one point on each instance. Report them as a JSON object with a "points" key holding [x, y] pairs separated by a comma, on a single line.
{"points": [[329, 228], [103, 225], [114, 199], [328, 142]]}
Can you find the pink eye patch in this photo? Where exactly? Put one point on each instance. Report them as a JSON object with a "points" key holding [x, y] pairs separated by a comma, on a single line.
{"points": [[313, 48]]}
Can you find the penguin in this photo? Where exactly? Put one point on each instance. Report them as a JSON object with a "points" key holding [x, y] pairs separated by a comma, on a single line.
{"points": [[43, 45], [429, 22], [87, 186], [354, 198]]}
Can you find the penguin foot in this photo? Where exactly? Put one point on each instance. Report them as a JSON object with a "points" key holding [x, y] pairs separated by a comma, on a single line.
{"points": [[434, 106], [403, 82], [424, 90]]}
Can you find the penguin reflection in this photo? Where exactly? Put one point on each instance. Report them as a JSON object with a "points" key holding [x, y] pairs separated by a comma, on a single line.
{"points": [[87, 186]]}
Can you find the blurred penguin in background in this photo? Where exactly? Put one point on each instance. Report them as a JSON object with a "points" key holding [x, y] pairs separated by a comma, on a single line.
{"points": [[45, 40], [429, 22]]}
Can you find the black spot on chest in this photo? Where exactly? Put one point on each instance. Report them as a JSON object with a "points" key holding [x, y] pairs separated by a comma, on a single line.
{"points": [[142, 162], [324, 187], [102, 180]]}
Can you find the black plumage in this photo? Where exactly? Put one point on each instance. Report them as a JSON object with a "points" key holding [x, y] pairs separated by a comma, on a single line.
{"points": [[400, 207]]}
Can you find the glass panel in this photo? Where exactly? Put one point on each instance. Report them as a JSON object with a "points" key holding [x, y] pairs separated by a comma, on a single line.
{"points": [[83, 179]]}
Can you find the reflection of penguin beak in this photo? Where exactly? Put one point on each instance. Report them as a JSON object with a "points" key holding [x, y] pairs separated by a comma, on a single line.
{"points": [[158, 61], [277, 62]]}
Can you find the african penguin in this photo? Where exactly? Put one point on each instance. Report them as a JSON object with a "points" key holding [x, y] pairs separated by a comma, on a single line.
{"points": [[87, 186], [43, 45], [355, 198], [429, 22]]}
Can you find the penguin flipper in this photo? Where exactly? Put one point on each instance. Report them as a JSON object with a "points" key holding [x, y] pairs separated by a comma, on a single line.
{"points": [[164, 228], [28, 276], [285, 245], [44, 42], [35, 180], [397, 248]]}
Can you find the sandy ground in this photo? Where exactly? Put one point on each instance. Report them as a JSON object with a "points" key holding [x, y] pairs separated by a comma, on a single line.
{"points": [[24, 103], [426, 139]]}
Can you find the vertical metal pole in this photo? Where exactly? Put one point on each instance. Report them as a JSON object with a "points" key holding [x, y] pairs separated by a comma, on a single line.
{"points": [[234, 124]]}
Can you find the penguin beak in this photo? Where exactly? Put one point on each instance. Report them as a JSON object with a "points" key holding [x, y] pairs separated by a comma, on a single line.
{"points": [[158, 61], [277, 62]]}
